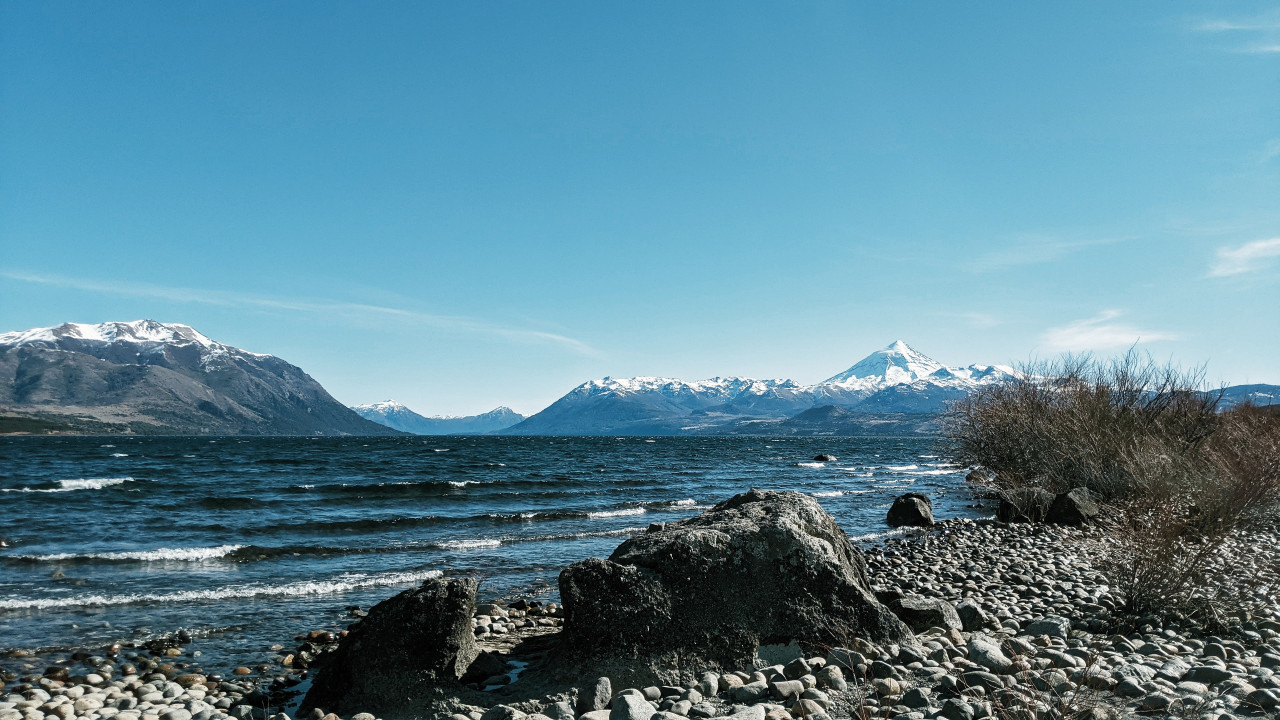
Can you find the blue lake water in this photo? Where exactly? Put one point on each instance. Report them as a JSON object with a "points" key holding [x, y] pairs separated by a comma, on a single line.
{"points": [[250, 541]]}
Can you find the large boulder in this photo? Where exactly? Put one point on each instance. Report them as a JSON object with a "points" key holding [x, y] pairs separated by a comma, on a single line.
{"points": [[1025, 504], [410, 648], [761, 568], [911, 510], [1076, 507]]}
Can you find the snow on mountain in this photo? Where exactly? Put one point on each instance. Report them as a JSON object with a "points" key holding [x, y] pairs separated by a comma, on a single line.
{"points": [[899, 363], [148, 333], [399, 417]]}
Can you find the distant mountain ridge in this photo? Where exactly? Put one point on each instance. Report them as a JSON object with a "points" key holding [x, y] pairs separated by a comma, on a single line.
{"points": [[160, 378], [395, 415], [896, 390], [896, 380]]}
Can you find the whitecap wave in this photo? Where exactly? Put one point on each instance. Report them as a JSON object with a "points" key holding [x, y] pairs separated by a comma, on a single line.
{"points": [[463, 483], [900, 468], [869, 537], [625, 512], [70, 485], [161, 555], [119, 454], [931, 472], [326, 587], [811, 464], [468, 544]]}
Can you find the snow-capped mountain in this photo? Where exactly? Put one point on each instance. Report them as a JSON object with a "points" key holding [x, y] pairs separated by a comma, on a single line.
{"points": [[398, 416], [161, 378], [897, 379]]}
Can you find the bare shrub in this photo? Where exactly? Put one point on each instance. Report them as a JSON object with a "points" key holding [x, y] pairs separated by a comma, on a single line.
{"points": [[1179, 477]]}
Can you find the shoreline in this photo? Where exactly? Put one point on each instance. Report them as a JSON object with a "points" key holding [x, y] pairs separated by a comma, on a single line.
{"points": [[1021, 577]]}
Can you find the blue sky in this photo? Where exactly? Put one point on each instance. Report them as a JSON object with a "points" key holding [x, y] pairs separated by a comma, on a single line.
{"points": [[461, 205]]}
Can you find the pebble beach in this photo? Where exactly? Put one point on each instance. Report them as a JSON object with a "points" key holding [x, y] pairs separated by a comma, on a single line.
{"points": [[1029, 629]]}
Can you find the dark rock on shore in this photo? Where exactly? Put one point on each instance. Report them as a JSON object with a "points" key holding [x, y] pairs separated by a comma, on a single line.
{"points": [[759, 568], [911, 510], [408, 647], [1076, 507]]}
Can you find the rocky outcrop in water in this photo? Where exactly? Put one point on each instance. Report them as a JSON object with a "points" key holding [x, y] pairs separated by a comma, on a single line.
{"points": [[761, 568], [910, 510]]}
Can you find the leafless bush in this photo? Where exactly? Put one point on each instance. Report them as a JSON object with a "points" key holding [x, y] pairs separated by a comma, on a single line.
{"points": [[1178, 475]]}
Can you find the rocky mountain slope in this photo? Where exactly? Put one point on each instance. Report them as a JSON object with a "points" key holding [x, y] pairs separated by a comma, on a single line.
{"points": [[396, 415], [158, 378]]}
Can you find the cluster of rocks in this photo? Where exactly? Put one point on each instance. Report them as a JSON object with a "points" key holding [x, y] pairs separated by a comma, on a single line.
{"points": [[159, 695], [1016, 618], [493, 619]]}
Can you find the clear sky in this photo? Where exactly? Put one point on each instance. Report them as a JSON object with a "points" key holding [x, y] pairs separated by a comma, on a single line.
{"points": [[461, 205]]}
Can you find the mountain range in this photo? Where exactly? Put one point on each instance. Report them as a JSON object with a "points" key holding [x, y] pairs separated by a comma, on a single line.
{"points": [[147, 377], [894, 390], [395, 415]]}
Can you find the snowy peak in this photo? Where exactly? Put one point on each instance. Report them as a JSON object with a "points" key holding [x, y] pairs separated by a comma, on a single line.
{"points": [[138, 331], [386, 406], [897, 364]]}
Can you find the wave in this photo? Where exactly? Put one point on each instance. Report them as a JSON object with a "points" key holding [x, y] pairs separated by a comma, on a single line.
{"points": [[467, 544], [327, 587], [161, 555], [838, 493], [870, 537], [900, 468], [71, 485], [810, 464], [624, 512], [932, 472], [119, 455]]}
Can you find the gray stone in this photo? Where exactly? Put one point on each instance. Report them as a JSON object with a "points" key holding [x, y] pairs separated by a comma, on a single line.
{"points": [[786, 689], [749, 693], [713, 589], [1173, 670], [916, 698], [631, 707], [754, 712], [504, 712], [703, 711], [595, 715], [985, 680], [1155, 702], [986, 652], [796, 669], [561, 710], [972, 616], [1263, 698], [956, 709], [910, 510], [597, 698], [922, 613], [1052, 625], [1207, 674]]}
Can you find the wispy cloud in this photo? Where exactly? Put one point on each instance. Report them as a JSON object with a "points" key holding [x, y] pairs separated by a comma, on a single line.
{"points": [[1246, 258], [331, 307], [1032, 251], [1254, 36], [1100, 332]]}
